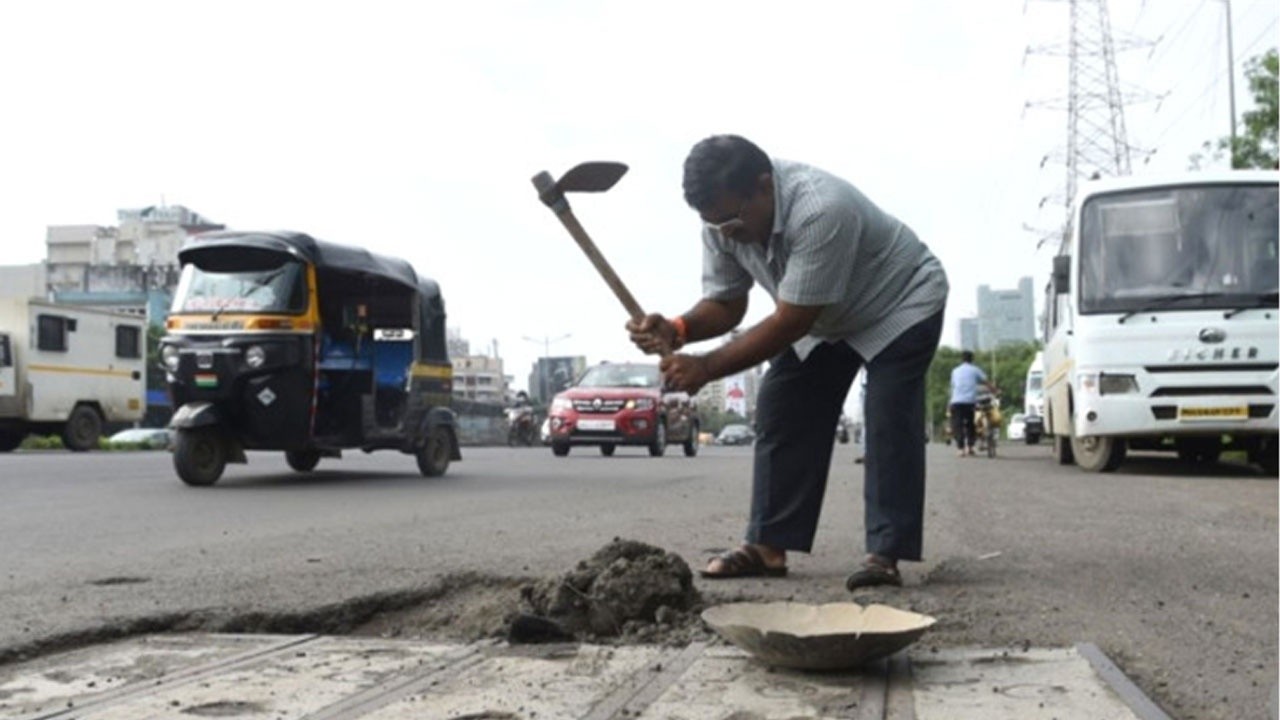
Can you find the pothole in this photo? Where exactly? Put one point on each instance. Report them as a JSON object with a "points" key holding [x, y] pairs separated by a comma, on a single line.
{"points": [[626, 592]]}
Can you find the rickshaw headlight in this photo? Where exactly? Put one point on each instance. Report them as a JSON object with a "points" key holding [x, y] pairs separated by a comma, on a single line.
{"points": [[169, 355], [255, 356]]}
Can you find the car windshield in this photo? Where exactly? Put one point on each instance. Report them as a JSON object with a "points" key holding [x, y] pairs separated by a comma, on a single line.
{"points": [[621, 376], [271, 289], [1196, 246]]}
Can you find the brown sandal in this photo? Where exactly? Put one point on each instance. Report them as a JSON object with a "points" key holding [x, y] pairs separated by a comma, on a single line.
{"points": [[745, 561], [873, 573]]}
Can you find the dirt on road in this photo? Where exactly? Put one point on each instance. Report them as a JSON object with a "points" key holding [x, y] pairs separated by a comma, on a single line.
{"points": [[627, 592]]}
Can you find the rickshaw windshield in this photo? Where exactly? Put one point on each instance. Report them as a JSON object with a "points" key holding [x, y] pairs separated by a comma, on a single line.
{"points": [[271, 289]]}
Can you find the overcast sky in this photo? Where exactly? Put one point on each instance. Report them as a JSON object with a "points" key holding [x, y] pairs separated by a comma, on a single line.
{"points": [[413, 129]]}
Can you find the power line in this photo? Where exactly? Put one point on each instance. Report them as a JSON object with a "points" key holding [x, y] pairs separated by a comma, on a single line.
{"points": [[1217, 79]]}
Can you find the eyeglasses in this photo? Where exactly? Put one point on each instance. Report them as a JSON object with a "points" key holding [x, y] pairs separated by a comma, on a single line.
{"points": [[728, 227]]}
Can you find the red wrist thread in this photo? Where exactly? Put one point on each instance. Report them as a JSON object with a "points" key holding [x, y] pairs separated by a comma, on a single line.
{"points": [[682, 330]]}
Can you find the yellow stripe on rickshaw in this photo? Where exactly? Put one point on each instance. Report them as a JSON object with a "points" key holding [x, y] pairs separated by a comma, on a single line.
{"points": [[444, 372]]}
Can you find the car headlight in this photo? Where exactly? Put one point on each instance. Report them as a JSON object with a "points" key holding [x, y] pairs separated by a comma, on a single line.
{"points": [[640, 404], [561, 404], [255, 356], [1116, 384], [169, 356]]}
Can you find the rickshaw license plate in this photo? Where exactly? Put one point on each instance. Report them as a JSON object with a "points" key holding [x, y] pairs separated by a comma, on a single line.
{"points": [[1239, 412], [595, 425]]}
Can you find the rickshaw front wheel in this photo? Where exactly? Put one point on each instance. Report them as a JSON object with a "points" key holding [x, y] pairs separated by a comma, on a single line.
{"points": [[199, 456], [433, 456]]}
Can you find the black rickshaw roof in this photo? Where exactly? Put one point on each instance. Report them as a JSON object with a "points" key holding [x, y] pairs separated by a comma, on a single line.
{"points": [[321, 253]]}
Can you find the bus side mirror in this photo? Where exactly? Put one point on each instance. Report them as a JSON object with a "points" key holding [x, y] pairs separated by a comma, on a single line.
{"points": [[1062, 274]]}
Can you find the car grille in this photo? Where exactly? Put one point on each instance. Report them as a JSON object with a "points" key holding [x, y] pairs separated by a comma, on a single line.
{"points": [[598, 405]]}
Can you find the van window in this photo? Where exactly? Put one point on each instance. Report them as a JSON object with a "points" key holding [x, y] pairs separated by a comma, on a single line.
{"points": [[128, 341], [51, 333]]}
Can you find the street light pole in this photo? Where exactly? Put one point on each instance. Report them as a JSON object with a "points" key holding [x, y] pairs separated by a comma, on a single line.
{"points": [[1231, 82]]}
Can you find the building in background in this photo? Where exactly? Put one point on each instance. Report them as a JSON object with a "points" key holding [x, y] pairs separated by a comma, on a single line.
{"points": [[969, 339], [479, 378], [1004, 317], [132, 267], [24, 281], [550, 375]]}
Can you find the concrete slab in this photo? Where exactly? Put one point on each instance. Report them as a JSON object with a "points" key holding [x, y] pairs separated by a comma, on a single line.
{"points": [[564, 685], [726, 678], [327, 678], [967, 684], [95, 674]]}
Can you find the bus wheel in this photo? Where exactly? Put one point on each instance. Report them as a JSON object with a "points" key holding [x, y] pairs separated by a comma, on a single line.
{"points": [[302, 460], [83, 429], [199, 456], [433, 457], [1098, 454]]}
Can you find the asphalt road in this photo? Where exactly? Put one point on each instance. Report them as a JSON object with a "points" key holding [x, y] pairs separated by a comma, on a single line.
{"points": [[1172, 572]]}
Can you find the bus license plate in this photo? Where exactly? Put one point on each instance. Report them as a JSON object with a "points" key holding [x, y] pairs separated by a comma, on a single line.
{"points": [[595, 425], [1192, 414]]}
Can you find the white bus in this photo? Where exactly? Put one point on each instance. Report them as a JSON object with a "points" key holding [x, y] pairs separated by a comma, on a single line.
{"points": [[1162, 330]]}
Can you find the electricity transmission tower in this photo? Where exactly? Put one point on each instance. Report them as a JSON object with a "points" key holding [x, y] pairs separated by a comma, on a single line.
{"points": [[1097, 142]]}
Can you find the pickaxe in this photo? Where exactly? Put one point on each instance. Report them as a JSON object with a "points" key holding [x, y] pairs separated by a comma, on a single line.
{"points": [[588, 177]]}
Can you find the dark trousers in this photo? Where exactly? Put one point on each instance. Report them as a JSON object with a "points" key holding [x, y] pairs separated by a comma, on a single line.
{"points": [[962, 429], [797, 409]]}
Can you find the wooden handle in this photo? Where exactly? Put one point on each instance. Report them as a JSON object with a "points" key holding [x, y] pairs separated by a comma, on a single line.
{"points": [[602, 266]]}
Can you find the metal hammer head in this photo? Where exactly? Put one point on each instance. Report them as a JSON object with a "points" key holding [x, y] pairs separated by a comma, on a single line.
{"points": [[585, 177]]}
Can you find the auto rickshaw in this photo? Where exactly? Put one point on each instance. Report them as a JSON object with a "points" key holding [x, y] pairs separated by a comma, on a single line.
{"points": [[279, 341]]}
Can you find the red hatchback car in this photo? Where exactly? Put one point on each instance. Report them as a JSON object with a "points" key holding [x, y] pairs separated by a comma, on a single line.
{"points": [[616, 404]]}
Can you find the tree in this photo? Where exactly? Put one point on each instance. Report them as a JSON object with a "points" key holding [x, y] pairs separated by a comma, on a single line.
{"points": [[1256, 146]]}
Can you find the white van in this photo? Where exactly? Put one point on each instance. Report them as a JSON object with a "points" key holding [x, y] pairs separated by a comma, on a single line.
{"points": [[1033, 402], [68, 370]]}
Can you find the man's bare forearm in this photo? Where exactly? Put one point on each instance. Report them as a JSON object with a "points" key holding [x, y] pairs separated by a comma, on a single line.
{"points": [[787, 324], [713, 318]]}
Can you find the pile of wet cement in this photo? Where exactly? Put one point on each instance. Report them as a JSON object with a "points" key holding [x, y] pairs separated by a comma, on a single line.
{"points": [[627, 589]]}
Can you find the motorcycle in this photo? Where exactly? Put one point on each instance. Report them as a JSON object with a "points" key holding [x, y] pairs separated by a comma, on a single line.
{"points": [[521, 427]]}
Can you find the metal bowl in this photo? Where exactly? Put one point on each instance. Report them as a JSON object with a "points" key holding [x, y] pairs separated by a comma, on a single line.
{"points": [[834, 636]]}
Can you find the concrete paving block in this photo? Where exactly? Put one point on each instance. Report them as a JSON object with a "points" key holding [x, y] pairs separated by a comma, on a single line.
{"points": [[727, 680], [77, 677], [286, 686], [1039, 684], [565, 685]]}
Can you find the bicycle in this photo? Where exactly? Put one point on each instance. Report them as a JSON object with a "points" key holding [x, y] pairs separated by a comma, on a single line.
{"points": [[986, 423]]}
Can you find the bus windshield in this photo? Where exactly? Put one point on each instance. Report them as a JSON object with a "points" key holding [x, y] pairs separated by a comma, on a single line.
{"points": [[1183, 247], [279, 289]]}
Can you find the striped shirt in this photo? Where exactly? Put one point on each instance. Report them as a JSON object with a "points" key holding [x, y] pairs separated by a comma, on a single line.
{"points": [[831, 246]]}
